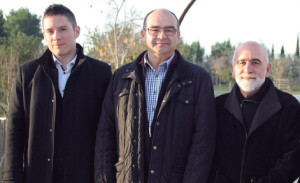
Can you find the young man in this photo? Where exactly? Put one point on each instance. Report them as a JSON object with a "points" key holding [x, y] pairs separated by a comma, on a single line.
{"points": [[258, 126], [158, 118], [55, 108]]}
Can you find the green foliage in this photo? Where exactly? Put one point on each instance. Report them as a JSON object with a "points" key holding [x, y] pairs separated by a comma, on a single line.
{"points": [[27, 47], [193, 52], [2, 20], [23, 34], [282, 55], [22, 21], [219, 62], [272, 54]]}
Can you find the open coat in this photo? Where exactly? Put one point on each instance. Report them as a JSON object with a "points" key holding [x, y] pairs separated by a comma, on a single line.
{"points": [[269, 152], [184, 131], [29, 147]]}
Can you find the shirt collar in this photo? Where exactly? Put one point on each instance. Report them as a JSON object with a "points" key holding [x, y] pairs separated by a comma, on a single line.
{"points": [[165, 64], [69, 66]]}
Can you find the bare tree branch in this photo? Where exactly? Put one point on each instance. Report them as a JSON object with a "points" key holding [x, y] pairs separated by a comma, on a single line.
{"points": [[185, 11]]}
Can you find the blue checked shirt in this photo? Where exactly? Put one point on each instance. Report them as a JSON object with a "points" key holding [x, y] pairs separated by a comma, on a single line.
{"points": [[153, 82]]}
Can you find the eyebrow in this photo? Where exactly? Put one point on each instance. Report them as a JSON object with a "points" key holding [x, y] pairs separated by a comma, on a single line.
{"points": [[64, 26], [253, 59], [162, 27]]}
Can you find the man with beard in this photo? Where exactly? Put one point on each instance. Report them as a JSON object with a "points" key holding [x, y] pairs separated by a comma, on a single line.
{"points": [[258, 126]]}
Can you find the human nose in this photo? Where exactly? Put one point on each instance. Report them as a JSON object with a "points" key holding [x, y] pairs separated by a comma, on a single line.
{"points": [[248, 67], [161, 34], [56, 35]]}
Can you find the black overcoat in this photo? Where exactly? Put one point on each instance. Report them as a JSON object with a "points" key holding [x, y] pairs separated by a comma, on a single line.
{"points": [[29, 146], [269, 152]]}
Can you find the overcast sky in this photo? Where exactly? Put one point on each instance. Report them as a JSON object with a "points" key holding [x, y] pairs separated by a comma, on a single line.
{"points": [[209, 21]]}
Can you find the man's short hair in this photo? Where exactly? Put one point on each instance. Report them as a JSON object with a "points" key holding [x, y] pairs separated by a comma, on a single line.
{"points": [[59, 9], [145, 19]]}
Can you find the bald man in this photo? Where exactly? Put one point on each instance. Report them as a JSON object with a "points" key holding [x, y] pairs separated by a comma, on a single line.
{"points": [[158, 123], [258, 126]]}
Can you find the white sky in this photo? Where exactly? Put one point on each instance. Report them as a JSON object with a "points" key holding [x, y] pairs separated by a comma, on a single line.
{"points": [[209, 21]]}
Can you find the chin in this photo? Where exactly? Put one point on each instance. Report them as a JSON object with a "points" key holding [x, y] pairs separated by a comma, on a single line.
{"points": [[250, 85]]}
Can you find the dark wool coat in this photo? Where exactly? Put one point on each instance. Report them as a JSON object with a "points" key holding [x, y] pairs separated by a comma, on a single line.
{"points": [[184, 130], [29, 146], [269, 152]]}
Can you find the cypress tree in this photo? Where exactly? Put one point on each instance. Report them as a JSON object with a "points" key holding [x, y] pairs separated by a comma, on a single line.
{"points": [[297, 49], [282, 55]]}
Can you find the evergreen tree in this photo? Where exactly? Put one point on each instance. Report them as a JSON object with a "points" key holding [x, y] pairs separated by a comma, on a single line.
{"points": [[22, 21], [2, 20], [272, 55], [297, 49], [282, 55]]}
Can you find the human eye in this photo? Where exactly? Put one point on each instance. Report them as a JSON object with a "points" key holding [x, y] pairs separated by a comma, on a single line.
{"points": [[241, 62], [49, 31], [169, 30], [256, 62], [154, 30], [63, 29]]}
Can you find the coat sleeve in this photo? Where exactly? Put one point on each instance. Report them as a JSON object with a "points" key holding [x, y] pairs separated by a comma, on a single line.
{"points": [[15, 134], [105, 149], [287, 168], [200, 156]]}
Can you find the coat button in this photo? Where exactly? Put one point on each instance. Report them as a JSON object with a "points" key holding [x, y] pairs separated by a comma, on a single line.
{"points": [[50, 130], [49, 159], [134, 117], [52, 100], [157, 123], [187, 101], [154, 147], [133, 165], [179, 85], [152, 171]]}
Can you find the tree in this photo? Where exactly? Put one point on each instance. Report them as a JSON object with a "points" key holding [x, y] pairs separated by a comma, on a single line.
{"points": [[193, 53], [297, 52], [120, 43], [27, 47], [272, 55], [197, 52], [22, 21], [8, 67], [219, 62], [2, 20], [21, 42], [282, 55], [23, 34]]}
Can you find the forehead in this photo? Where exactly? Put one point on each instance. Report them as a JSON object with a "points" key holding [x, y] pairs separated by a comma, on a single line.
{"points": [[55, 21], [161, 18], [251, 52]]}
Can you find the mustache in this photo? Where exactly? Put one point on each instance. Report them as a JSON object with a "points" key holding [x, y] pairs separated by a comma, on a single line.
{"points": [[248, 76]]}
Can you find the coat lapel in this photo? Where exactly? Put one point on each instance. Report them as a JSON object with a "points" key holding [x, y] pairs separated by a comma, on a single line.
{"points": [[233, 106], [268, 107]]}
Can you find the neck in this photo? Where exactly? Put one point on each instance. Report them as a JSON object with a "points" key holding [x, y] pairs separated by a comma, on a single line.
{"points": [[155, 60], [249, 94], [65, 60]]}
